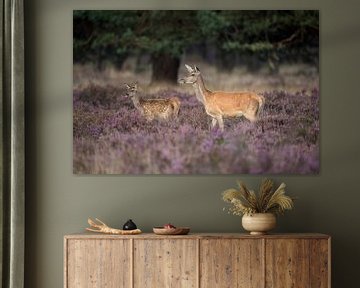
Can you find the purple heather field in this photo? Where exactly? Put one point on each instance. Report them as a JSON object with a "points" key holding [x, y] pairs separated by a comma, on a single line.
{"points": [[111, 137]]}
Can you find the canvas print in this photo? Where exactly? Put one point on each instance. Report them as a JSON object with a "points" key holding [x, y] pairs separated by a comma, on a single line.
{"points": [[196, 92]]}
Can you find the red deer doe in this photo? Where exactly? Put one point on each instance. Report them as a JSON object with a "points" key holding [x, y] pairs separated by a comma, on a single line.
{"points": [[219, 104], [154, 108]]}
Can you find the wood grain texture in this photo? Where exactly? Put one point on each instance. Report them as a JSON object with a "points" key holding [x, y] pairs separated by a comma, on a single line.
{"points": [[88, 235], [231, 263], [287, 263], [165, 263], [197, 260], [98, 264], [319, 263]]}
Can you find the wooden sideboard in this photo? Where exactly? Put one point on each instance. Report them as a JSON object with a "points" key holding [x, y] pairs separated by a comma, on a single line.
{"points": [[197, 260]]}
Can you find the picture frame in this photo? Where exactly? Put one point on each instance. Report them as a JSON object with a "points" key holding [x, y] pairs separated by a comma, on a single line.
{"points": [[253, 105]]}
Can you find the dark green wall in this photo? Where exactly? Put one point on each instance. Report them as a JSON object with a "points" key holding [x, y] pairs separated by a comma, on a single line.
{"points": [[59, 202]]}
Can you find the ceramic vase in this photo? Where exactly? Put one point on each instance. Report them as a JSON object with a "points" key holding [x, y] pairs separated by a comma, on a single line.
{"points": [[259, 223]]}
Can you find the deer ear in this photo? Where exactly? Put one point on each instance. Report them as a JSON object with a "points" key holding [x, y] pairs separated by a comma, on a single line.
{"points": [[189, 68], [197, 69]]}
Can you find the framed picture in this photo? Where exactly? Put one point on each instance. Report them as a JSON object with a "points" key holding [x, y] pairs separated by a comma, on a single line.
{"points": [[249, 102]]}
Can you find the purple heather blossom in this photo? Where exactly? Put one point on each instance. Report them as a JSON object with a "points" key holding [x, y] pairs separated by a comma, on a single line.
{"points": [[111, 137]]}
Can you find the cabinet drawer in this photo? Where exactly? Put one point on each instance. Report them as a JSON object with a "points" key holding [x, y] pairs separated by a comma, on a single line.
{"points": [[231, 263], [165, 263], [297, 263], [98, 263]]}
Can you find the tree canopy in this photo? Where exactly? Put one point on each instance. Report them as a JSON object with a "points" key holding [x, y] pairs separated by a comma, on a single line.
{"points": [[165, 35]]}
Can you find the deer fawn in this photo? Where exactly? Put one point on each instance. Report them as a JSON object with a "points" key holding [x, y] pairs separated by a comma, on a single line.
{"points": [[219, 104], [154, 108]]}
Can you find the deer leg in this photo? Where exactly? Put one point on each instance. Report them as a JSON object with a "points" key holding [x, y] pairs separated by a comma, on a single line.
{"points": [[251, 117], [221, 122], [149, 117], [252, 112], [213, 122]]}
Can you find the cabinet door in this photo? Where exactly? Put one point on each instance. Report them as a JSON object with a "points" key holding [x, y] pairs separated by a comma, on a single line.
{"points": [[231, 263], [164, 263], [320, 263], [287, 263], [98, 263]]}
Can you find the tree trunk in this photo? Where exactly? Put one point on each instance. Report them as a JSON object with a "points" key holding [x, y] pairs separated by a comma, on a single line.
{"points": [[119, 61], [165, 68], [99, 61], [227, 61]]}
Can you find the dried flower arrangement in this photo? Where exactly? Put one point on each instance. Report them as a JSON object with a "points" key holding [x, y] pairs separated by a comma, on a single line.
{"points": [[267, 200]]}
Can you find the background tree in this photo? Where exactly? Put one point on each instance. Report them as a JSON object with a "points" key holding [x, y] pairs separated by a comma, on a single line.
{"points": [[272, 36], [267, 36], [113, 35]]}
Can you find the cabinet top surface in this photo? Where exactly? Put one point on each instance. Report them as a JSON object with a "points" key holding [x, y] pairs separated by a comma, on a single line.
{"points": [[87, 235]]}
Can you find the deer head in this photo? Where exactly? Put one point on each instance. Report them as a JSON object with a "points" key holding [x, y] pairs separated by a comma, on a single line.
{"points": [[131, 90], [193, 76]]}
